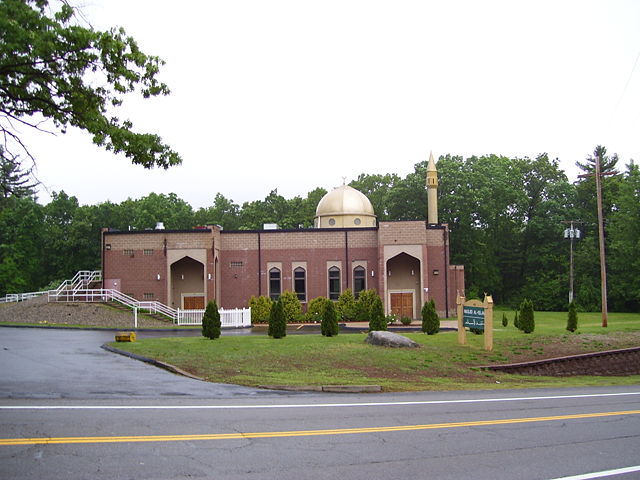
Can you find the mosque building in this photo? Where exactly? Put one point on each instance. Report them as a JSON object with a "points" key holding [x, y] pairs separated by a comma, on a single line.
{"points": [[406, 262]]}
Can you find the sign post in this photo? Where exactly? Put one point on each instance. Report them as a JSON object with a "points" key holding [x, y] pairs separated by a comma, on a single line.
{"points": [[476, 315]]}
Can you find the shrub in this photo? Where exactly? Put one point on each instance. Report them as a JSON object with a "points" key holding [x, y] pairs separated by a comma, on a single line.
{"points": [[405, 321], [315, 309], [430, 320], [365, 302], [505, 322], [572, 319], [516, 321], [329, 324], [290, 306], [260, 309], [527, 322], [277, 322], [347, 308], [211, 321], [377, 320]]}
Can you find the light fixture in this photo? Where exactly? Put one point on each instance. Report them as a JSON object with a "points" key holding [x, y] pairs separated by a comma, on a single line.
{"points": [[373, 274], [389, 273], [412, 273], [436, 272], [209, 276], [182, 276], [158, 277]]}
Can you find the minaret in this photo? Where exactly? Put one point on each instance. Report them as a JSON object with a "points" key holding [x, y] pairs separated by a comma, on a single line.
{"points": [[432, 191]]}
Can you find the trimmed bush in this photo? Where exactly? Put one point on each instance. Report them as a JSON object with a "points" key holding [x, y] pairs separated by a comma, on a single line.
{"points": [[277, 322], [346, 307], [290, 306], [527, 322], [505, 321], [329, 324], [430, 320], [405, 321], [211, 321], [260, 309], [365, 302], [377, 319], [572, 318], [315, 309]]}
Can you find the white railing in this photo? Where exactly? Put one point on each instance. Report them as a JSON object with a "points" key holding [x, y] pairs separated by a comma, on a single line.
{"points": [[229, 318], [75, 290], [21, 297]]}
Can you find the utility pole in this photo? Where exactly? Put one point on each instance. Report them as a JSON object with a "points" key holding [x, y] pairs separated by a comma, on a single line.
{"points": [[603, 266]]}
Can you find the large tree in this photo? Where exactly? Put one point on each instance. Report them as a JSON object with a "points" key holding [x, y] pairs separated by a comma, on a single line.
{"points": [[54, 68]]}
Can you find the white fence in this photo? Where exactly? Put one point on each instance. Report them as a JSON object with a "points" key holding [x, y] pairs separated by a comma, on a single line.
{"points": [[233, 318]]}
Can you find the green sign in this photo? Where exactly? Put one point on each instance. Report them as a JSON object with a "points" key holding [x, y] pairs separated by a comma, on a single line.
{"points": [[473, 317]]}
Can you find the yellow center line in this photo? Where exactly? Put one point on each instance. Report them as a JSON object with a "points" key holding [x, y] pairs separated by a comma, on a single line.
{"points": [[299, 433]]}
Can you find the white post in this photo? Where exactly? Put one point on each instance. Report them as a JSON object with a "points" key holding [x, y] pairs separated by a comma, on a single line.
{"points": [[135, 317]]}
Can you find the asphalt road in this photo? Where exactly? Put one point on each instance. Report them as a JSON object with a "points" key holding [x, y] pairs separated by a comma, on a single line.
{"points": [[69, 419]]}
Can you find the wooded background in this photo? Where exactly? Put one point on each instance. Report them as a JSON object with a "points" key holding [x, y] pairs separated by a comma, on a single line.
{"points": [[505, 217]]}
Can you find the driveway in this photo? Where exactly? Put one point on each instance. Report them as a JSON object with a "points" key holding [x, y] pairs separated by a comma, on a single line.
{"points": [[43, 363]]}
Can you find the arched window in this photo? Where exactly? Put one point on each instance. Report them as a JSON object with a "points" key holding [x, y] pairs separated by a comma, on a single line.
{"points": [[334, 283], [359, 280], [300, 283], [275, 284]]}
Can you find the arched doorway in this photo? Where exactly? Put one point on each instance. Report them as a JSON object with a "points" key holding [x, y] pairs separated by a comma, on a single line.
{"points": [[187, 284], [404, 285]]}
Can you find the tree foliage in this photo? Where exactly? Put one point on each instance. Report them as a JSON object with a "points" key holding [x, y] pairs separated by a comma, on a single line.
{"points": [[211, 321], [329, 325], [377, 320], [347, 307], [277, 321], [290, 306], [430, 320], [526, 319], [572, 318], [260, 309], [53, 67]]}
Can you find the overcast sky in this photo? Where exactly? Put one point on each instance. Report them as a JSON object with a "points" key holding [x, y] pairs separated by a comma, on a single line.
{"points": [[293, 95]]}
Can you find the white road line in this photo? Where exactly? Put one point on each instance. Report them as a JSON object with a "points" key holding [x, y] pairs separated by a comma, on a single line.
{"points": [[605, 473], [307, 405]]}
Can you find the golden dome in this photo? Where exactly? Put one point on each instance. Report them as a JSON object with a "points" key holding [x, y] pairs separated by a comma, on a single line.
{"points": [[344, 207]]}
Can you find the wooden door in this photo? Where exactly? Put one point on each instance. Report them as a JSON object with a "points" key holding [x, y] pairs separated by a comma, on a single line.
{"points": [[402, 304], [194, 303]]}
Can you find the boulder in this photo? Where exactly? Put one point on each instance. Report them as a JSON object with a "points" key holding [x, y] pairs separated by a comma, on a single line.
{"points": [[389, 339]]}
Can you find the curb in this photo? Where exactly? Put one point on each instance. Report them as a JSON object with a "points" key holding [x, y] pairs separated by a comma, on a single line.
{"points": [[151, 361], [325, 388]]}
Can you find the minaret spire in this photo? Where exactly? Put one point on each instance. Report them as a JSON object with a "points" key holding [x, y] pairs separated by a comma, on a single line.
{"points": [[432, 191]]}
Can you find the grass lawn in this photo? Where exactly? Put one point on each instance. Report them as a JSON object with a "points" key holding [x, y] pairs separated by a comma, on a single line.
{"points": [[441, 364]]}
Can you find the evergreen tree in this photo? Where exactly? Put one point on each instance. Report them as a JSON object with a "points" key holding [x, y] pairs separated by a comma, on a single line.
{"points": [[572, 318], [377, 320], [329, 324], [430, 320], [505, 321], [516, 321], [527, 322], [277, 321], [211, 321]]}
